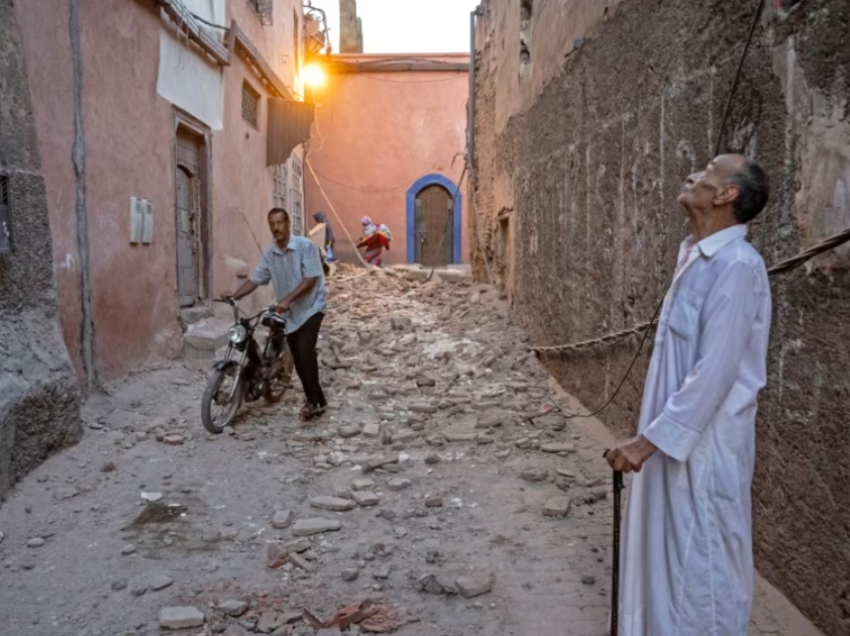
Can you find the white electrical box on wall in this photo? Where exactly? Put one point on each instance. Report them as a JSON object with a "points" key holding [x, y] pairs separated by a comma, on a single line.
{"points": [[137, 220], [147, 232]]}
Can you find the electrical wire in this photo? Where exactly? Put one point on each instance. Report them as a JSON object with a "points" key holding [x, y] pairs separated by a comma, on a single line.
{"points": [[738, 77], [389, 81]]}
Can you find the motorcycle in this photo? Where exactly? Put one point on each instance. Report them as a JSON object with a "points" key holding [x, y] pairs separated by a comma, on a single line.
{"points": [[247, 372]]}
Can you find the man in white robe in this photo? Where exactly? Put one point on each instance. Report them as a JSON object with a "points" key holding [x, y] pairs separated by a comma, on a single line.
{"points": [[686, 566]]}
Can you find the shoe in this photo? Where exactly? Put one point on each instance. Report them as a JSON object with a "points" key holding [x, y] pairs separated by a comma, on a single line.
{"points": [[310, 412]]}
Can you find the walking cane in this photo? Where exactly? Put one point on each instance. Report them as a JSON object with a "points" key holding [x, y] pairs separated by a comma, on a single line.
{"points": [[615, 569]]}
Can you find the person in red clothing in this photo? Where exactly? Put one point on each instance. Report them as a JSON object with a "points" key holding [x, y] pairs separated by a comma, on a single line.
{"points": [[376, 238]]}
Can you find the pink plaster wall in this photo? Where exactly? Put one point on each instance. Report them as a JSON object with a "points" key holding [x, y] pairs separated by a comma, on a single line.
{"points": [[375, 134], [129, 134]]}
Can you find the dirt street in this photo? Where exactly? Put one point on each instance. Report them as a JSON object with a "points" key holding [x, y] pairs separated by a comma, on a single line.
{"points": [[444, 485]]}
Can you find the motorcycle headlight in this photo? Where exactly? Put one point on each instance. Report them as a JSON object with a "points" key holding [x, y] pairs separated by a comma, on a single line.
{"points": [[237, 334]]}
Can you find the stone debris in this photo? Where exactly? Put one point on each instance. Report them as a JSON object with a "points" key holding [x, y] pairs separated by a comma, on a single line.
{"points": [[347, 432], [35, 542], [318, 525], [399, 483], [233, 607], [557, 507], [534, 475], [434, 502], [161, 582], [365, 498], [301, 563], [180, 617], [558, 447], [418, 423], [333, 504], [173, 440], [472, 585], [363, 484], [282, 519]]}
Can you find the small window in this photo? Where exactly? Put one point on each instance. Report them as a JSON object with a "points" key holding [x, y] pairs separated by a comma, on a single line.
{"points": [[250, 105], [525, 19], [4, 189], [264, 10]]}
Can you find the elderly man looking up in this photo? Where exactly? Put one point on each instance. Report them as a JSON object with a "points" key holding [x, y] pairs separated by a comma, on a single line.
{"points": [[687, 564]]}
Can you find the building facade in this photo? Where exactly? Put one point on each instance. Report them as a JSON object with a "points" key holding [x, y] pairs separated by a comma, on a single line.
{"points": [[39, 395], [153, 120], [588, 117], [388, 142]]}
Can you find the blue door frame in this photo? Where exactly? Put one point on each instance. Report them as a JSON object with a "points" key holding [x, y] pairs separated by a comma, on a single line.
{"points": [[457, 222]]}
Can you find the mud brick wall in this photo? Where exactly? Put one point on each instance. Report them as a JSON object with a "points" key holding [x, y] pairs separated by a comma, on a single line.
{"points": [[577, 173], [39, 397]]}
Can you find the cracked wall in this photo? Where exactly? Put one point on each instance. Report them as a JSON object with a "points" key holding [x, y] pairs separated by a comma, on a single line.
{"points": [[39, 397], [580, 155]]}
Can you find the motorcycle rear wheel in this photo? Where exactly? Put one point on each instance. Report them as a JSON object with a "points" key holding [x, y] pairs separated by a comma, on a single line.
{"points": [[217, 394], [279, 385]]}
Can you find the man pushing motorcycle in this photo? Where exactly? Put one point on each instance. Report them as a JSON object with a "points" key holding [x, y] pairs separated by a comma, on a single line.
{"points": [[294, 268]]}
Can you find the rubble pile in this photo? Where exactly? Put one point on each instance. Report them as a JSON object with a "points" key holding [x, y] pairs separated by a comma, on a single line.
{"points": [[417, 504]]}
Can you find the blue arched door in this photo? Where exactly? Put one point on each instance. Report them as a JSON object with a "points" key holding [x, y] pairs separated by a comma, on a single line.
{"points": [[433, 213], [433, 222]]}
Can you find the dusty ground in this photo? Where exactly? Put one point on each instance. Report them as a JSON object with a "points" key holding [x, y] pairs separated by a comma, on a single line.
{"points": [[431, 378]]}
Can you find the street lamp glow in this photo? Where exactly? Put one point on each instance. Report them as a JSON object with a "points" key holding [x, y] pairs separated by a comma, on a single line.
{"points": [[314, 76]]}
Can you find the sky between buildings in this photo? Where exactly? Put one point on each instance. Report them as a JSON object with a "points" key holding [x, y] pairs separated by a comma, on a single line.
{"points": [[407, 26]]}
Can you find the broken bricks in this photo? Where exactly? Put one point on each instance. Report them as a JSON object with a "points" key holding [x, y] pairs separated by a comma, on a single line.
{"points": [[377, 619]]}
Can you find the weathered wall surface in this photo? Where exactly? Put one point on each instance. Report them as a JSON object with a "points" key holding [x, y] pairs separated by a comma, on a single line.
{"points": [[129, 146], [39, 398], [374, 136], [575, 206]]}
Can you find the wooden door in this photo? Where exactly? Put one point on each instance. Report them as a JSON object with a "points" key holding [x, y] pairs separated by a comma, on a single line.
{"points": [[187, 203], [434, 221]]}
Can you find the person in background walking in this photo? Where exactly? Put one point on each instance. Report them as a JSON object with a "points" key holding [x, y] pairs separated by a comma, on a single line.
{"points": [[686, 566], [321, 217], [294, 268], [376, 238]]}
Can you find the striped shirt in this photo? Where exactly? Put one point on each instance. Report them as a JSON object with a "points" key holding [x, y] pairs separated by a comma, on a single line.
{"points": [[286, 269]]}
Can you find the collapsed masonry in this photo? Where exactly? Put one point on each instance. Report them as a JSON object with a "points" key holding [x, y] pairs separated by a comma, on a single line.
{"points": [[39, 396]]}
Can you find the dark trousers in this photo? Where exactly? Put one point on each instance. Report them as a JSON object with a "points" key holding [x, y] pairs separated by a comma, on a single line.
{"points": [[302, 344]]}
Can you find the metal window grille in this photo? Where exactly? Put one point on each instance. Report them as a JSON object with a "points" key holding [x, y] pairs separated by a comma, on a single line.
{"points": [[250, 105], [5, 216], [264, 10], [280, 186], [297, 213]]}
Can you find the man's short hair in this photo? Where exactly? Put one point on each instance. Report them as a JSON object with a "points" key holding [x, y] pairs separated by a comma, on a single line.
{"points": [[753, 191], [278, 211]]}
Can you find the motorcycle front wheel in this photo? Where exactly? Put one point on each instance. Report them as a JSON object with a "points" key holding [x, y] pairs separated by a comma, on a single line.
{"points": [[218, 409], [278, 385]]}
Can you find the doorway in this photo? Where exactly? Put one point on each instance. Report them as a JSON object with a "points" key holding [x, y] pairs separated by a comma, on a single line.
{"points": [[433, 222], [189, 206], [433, 216]]}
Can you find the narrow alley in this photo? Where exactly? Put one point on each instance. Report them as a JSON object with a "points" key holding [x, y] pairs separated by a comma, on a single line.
{"points": [[444, 484]]}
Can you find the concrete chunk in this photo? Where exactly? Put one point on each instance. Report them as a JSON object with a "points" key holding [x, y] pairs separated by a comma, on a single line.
{"points": [[557, 507], [334, 504], [180, 617], [318, 525], [365, 498], [473, 585]]}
